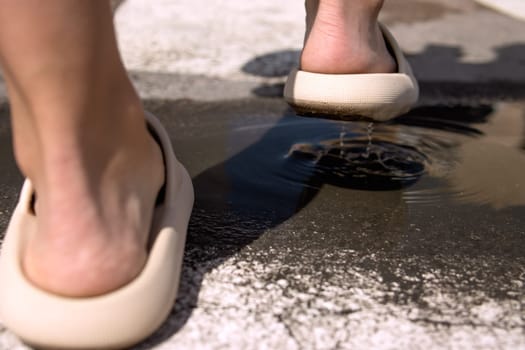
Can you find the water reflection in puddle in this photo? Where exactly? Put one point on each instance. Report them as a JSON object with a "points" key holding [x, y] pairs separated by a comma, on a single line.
{"points": [[471, 154]]}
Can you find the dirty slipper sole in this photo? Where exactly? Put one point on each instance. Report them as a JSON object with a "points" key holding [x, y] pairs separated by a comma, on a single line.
{"points": [[114, 320], [372, 96]]}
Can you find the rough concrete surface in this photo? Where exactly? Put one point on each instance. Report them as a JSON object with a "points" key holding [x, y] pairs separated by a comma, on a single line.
{"points": [[259, 42], [282, 254]]}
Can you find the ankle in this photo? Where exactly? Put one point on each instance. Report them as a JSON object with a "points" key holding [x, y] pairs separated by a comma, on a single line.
{"points": [[342, 11], [50, 136]]}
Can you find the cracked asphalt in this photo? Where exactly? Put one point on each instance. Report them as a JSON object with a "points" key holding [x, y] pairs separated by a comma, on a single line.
{"points": [[313, 234]]}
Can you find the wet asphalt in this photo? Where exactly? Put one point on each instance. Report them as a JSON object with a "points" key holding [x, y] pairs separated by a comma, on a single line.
{"points": [[312, 233]]}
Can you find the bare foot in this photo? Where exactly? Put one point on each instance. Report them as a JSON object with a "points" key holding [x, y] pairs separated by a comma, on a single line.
{"points": [[94, 210], [343, 37]]}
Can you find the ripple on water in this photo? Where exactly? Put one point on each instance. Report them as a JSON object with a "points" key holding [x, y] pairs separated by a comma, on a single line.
{"points": [[354, 163], [298, 153]]}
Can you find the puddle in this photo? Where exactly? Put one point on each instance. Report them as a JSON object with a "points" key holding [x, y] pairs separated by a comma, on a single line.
{"points": [[462, 154]]}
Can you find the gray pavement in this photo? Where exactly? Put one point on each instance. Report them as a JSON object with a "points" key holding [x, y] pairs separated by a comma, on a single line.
{"points": [[312, 234]]}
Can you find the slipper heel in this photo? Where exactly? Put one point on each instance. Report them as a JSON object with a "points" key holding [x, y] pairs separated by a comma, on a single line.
{"points": [[114, 320], [373, 96]]}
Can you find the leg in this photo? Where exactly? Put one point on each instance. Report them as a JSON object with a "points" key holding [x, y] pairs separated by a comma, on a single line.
{"points": [[343, 36], [80, 137]]}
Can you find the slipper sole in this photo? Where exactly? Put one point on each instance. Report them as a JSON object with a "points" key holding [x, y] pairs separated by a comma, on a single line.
{"points": [[373, 96], [114, 320]]}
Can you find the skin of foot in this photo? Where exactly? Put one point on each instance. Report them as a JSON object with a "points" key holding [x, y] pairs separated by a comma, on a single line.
{"points": [[80, 137], [343, 37]]}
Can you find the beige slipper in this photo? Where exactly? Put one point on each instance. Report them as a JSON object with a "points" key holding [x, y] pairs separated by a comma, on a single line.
{"points": [[114, 320], [375, 96]]}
